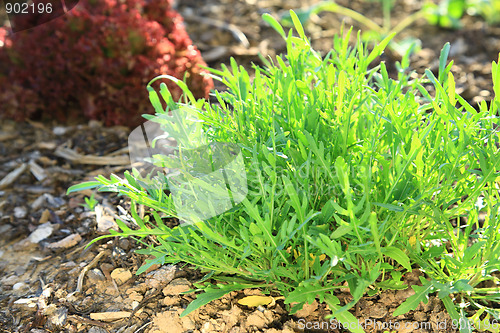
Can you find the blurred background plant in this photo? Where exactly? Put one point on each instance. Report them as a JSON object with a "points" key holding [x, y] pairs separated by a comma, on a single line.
{"points": [[447, 13], [374, 32], [443, 13], [94, 62]]}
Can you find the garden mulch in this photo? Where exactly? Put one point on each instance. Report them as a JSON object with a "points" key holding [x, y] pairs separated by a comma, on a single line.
{"points": [[49, 281]]}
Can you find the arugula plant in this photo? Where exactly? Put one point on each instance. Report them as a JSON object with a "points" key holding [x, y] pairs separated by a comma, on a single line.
{"points": [[353, 177]]}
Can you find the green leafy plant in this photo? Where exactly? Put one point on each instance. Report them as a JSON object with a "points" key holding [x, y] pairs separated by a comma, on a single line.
{"points": [[90, 202], [353, 177]]}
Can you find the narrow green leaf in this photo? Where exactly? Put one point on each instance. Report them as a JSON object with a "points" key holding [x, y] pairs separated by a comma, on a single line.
{"points": [[390, 207], [340, 231], [209, 295], [83, 186], [347, 319], [275, 24], [421, 295], [397, 255], [379, 48], [443, 57], [298, 25]]}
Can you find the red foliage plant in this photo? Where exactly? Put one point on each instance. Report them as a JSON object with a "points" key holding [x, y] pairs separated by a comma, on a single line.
{"points": [[96, 60]]}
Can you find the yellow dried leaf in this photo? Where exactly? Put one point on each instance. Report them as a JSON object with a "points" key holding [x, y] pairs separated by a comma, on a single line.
{"points": [[253, 301], [321, 257]]}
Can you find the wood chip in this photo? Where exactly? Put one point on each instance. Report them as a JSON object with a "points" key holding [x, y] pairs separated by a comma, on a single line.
{"points": [[45, 217], [66, 242], [47, 145], [47, 161], [7, 136], [104, 222], [73, 156], [37, 171], [109, 316], [12, 176]]}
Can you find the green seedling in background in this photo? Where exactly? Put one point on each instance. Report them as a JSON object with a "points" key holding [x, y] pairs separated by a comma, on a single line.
{"points": [[90, 202]]}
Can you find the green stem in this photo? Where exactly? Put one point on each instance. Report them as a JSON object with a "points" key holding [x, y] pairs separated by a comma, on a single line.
{"points": [[386, 8], [335, 8], [406, 22]]}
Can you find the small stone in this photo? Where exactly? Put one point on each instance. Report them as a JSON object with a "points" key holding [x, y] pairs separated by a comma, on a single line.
{"points": [[135, 296], [207, 327], [52, 201], [420, 316], [141, 288], [125, 244], [135, 304], [171, 300], [106, 269], [9, 280], [19, 286], [68, 264], [66, 242], [378, 311], [38, 202], [20, 212], [95, 275], [5, 228], [269, 315], [57, 317], [97, 329], [121, 275], [256, 319], [176, 287], [59, 130], [231, 316], [104, 222], [188, 323], [111, 290], [167, 322], [42, 232], [160, 277]]}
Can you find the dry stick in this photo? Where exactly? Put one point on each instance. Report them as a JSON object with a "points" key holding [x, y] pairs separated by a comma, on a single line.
{"points": [[87, 321], [12, 176], [73, 156], [143, 327], [79, 285]]}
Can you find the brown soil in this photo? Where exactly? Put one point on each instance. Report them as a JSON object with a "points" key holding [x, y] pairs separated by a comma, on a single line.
{"points": [[49, 281]]}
